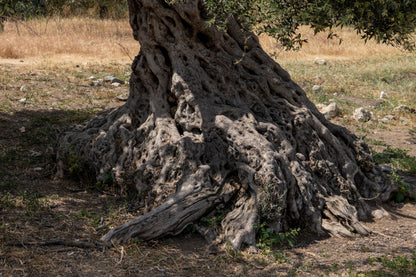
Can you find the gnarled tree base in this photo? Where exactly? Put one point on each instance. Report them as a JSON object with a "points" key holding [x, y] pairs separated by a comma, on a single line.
{"points": [[212, 122]]}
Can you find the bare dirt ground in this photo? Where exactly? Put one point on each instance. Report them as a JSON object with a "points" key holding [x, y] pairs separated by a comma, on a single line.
{"points": [[36, 208]]}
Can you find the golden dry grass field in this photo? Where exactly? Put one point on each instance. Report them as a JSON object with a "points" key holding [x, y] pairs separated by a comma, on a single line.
{"points": [[64, 39], [46, 70]]}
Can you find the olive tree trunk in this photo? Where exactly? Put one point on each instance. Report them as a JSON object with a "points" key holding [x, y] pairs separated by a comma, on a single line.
{"points": [[214, 128]]}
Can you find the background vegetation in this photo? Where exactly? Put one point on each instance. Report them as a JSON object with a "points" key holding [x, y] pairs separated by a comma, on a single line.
{"points": [[33, 8]]}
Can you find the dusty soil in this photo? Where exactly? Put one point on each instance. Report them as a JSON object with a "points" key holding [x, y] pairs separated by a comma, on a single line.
{"points": [[37, 208]]}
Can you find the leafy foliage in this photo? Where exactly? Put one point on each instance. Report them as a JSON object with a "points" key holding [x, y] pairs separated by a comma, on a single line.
{"points": [[396, 157], [266, 238], [386, 21], [399, 266], [400, 160], [21, 9]]}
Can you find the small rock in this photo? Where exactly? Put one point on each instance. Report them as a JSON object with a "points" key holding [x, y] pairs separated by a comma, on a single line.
{"points": [[95, 83], [384, 120], [383, 95], [316, 88], [362, 115], [115, 80], [379, 213], [23, 88], [331, 111], [91, 78], [336, 94], [35, 154], [402, 109], [108, 78], [319, 61], [38, 169], [404, 120], [386, 168], [387, 119], [23, 100], [22, 129], [115, 84], [123, 97]]}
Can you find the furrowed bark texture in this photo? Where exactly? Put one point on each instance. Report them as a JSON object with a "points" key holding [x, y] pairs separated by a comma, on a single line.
{"points": [[214, 125]]}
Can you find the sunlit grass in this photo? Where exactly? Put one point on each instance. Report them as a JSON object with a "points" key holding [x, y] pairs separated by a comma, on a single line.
{"points": [[66, 39]]}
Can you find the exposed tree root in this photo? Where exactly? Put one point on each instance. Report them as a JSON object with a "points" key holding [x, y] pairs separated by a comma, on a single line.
{"points": [[213, 122]]}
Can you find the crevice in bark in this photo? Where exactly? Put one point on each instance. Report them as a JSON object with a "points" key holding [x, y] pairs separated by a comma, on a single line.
{"points": [[212, 121]]}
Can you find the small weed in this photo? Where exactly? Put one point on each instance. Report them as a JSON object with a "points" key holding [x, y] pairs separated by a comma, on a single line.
{"points": [[74, 164], [397, 266], [266, 238], [7, 185], [190, 229], [231, 252], [260, 261], [93, 218], [365, 248], [32, 202], [396, 157], [281, 257], [375, 142], [6, 201], [323, 253], [215, 221]]}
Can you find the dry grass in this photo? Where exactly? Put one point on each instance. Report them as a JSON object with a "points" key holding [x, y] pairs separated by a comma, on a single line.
{"points": [[68, 39], [77, 39], [352, 46]]}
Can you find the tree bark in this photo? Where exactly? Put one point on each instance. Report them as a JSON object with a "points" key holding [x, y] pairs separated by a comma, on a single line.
{"points": [[213, 124]]}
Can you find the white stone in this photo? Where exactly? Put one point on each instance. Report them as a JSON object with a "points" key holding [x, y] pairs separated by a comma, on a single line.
{"points": [[23, 100], [115, 84], [402, 109], [362, 115], [23, 88], [379, 213], [319, 61], [384, 120], [22, 129], [404, 120], [316, 87], [383, 95], [95, 83], [123, 97], [331, 111]]}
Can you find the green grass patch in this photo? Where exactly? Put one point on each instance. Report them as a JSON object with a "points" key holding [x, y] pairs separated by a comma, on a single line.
{"points": [[396, 266], [396, 157], [94, 219]]}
